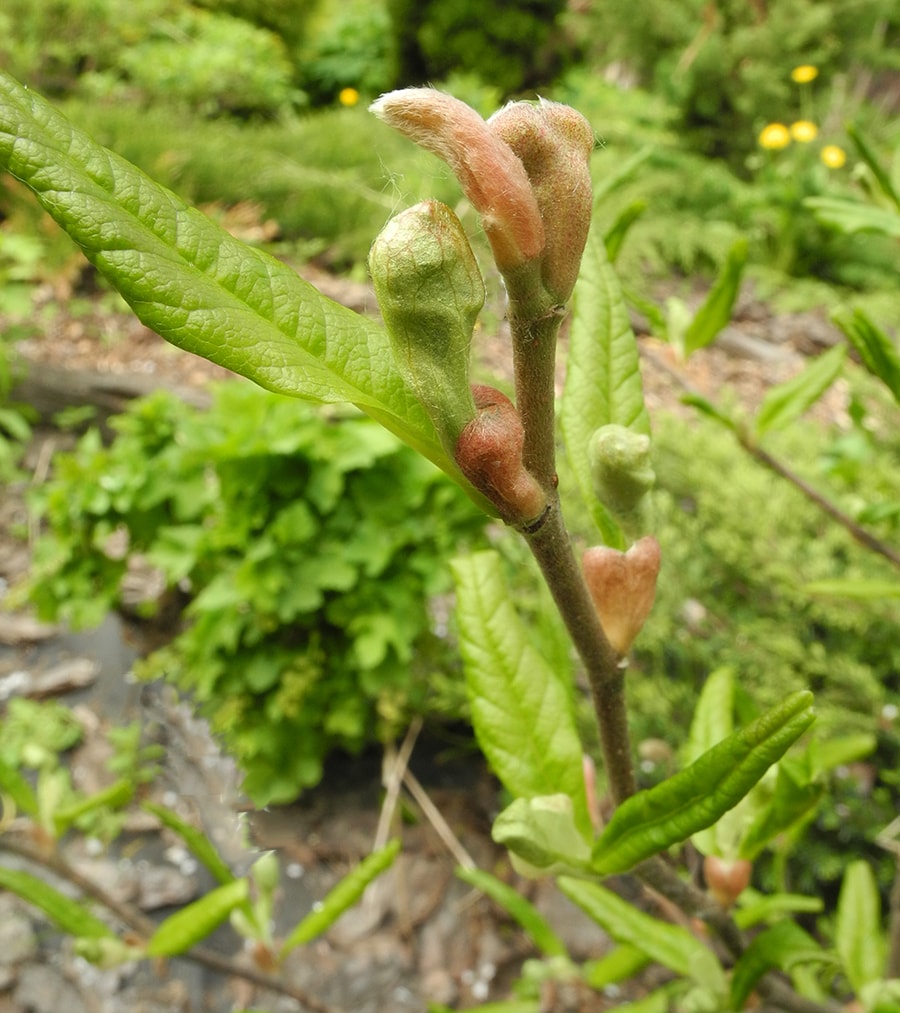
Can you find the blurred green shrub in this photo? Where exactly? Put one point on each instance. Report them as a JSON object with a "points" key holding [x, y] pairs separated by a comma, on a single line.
{"points": [[511, 46], [307, 545], [726, 65]]}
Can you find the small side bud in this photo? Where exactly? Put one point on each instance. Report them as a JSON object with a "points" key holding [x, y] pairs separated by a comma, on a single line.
{"points": [[554, 143], [726, 879], [490, 174], [622, 586], [489, 454], [621, 470], [430, 292]]}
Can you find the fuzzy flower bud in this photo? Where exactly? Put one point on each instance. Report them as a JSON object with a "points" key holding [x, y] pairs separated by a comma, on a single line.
{"points": [[491, 175], [621, 470], [622, 586], [554, 143], [489, 454], [430, 291], [727, 879]]}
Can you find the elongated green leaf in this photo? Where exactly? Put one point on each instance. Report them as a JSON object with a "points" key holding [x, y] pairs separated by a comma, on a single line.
{"points": [[522, 712], [67, 914], [192, 924], [518, 907], [653, 820], [18, 789], [758, 908], [783, 946], [857, 932], [343, 896], [609, 181], [603, 378], [826, 754], [115, 796], [669, 945], [196, 285], [712, 411], [794, 800], [872, 161], [616, 233], [878, 352], [854, 216], [852, 587], [786, 402], [623, 962], [200, 845], [716, 310], [712, 722]]}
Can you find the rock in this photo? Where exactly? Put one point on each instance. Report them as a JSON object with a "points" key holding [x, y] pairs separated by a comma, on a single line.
{"points": [[75, 673], [42, 989], [159, 886], [18, 628], [17, 939]]}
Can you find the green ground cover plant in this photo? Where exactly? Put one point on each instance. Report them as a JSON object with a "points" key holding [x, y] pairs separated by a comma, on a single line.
{"points": [[751, 776]]}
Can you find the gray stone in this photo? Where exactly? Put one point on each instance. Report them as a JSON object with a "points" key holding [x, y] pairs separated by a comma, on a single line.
{"points": [[17, 939], [42, 989]]}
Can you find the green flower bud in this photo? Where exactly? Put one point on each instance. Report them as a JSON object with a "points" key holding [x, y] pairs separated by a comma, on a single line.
{"points": [[542, 837], [621, 469], [430, 291]]}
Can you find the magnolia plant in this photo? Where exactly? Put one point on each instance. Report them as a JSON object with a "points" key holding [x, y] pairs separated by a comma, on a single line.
{"points": [[526, 171]]}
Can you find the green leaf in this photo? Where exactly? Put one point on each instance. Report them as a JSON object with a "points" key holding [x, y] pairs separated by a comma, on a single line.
{"points": [[603, 378], [793, 801], [518, 907], [522, 711], [115, 796], [669, 945], [13, 784], [868, 156], [712, 722], [67, 914], [343, 896], [854, 216], [196, 285], [825, 755], [710, 410], [876, 349], [542, 837], [716, 310], [653, 820], [199, 844], [857, 930], [623, 962], [786, 402], [615, 234], [757, 908], [192, 924], [859, 588], [611, 180], [783, 946]]}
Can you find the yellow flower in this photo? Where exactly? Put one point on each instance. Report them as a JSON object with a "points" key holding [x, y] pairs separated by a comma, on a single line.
{"points": [[348, 96], [804, 73], [833, 156], [804, 131], [774, 136]]}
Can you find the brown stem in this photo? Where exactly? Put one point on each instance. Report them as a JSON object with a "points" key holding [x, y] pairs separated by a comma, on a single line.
{"points": [[145, 927], [552, 549], [858, 532], [861, 535], [893, 960]]}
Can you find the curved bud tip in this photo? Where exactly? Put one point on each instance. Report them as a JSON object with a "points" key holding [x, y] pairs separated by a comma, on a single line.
{"points": [[620, 468], [490, 174], [622, 586], [554, 143], [489, 454]]}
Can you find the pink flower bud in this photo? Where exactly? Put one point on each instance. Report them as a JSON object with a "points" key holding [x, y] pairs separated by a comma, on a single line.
{"points": [[727, 879], [554, 143], [491, 175], [489, 454], [622, 586]]}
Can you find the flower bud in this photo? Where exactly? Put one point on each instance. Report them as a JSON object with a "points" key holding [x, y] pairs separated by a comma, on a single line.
{"points": [[621, 469], [489, 454], [727, 879], [554, 143], [430, 291], [491, 176], [622, 586]]}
